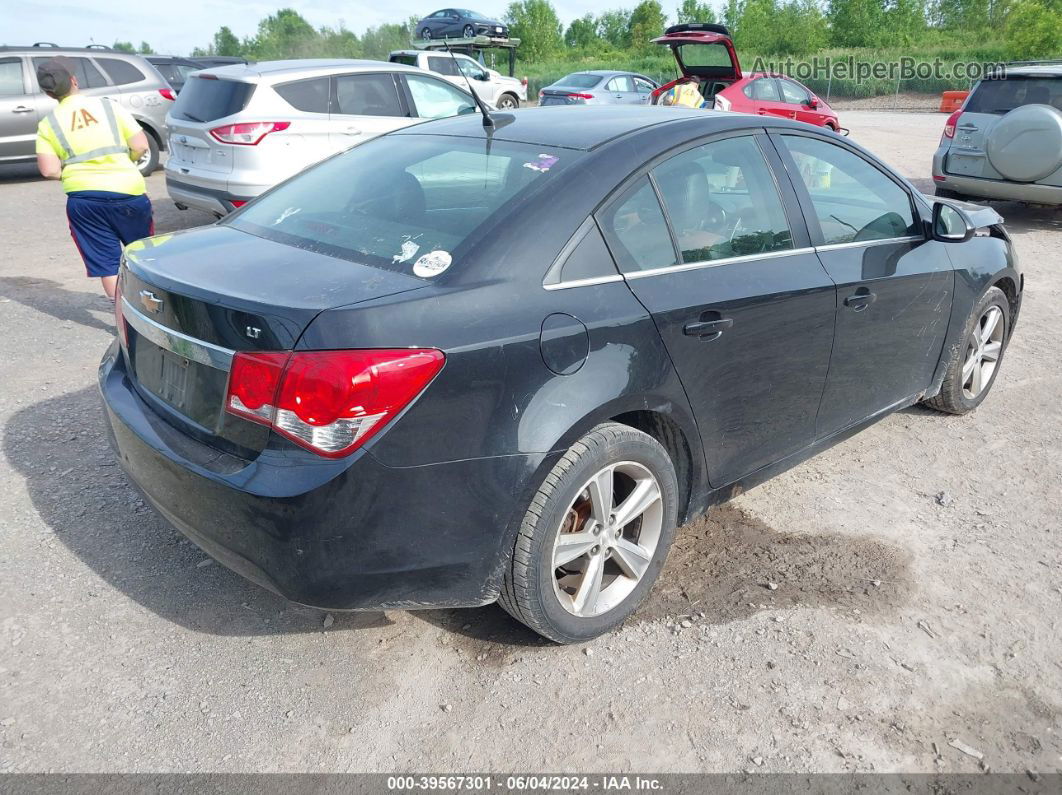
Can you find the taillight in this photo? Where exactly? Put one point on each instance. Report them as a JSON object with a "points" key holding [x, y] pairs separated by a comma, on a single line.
{"points": [[330, 402], [722, 103], [167, 93], [949, 125], [249, 133], [238, 202], [523, 82], [581, 96], [119, 315]]}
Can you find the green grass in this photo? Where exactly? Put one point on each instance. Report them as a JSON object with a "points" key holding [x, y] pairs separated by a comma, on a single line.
{"points": [[661, 67]]}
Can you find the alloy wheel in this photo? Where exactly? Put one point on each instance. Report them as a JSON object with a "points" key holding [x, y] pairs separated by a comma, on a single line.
{"points": [[469, 32], [507, 103], [607, 539], [983, 349], [426, 34]]}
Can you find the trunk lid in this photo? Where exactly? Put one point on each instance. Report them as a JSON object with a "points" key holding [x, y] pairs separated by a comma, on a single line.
{"points": [[703, 50], [205, 102], [188, 311]]}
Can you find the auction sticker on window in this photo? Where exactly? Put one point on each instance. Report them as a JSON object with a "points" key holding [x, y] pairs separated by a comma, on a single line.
{"points": [[432, 264]]}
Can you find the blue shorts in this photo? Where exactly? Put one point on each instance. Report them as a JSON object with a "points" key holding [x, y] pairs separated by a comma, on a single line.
{"points": [[102, 222]]}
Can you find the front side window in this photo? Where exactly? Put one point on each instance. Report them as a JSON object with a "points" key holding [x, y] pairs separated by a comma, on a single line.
{"points": [[723, 202], [310, 96], [393, 200], [11, 84], [435, 99], [472, 70], [368, 95], [637, 231], [792, 93], [853, 200], [122, 73], [643, 86]]}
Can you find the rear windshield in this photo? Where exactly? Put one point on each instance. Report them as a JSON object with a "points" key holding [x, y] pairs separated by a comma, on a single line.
{"points": [[1002, 96], [580, 80], [704, 55], [406, 203], [408, 60], [208, 98]]}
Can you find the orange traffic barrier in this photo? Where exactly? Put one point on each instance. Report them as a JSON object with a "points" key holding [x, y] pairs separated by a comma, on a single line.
{"points": [[951, 101]]}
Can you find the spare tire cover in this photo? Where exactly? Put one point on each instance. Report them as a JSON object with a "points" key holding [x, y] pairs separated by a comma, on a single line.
{"points": [[1026, 144]]}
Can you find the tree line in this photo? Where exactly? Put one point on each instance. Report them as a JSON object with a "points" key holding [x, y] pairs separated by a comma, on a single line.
{"points": [[1028, 28]]}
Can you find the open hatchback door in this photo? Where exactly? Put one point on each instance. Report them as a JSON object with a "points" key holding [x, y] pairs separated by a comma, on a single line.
{"points": [[703, 51]]}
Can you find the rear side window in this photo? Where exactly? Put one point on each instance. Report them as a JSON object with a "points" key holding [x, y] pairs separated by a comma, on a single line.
{"points": [[722, 201], [763, 89], [122, 73], [11, 84], [443, 66], [368, 95], [1003, 96], [310, 96], [588, 258], [637, 232], [207, 98], [400, 200], [88, 76], [853, 200]]}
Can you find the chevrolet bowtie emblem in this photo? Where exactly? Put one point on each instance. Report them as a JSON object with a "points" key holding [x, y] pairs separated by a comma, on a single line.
{"points": [[151, 302]]}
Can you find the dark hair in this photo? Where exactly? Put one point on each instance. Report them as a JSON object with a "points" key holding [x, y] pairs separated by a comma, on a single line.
{"points": [[55, 76]]}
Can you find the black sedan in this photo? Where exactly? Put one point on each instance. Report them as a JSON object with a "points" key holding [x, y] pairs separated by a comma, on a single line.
{"points": [[449, 367], [460, 23]]}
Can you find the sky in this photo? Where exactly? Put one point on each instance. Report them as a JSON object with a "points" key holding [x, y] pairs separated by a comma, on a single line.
{"points": [[175, 27]]}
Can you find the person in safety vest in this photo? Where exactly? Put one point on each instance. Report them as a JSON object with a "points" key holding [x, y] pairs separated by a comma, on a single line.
{"points": [[685, 94], [92, 145]]}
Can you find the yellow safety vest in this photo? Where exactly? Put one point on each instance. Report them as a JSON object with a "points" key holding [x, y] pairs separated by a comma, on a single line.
{"points": [[89, 135]]}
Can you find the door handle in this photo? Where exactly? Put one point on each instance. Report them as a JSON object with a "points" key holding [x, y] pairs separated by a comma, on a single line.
{"points": [[351, 131], [857, 302], [708, 330], [21, 109]]}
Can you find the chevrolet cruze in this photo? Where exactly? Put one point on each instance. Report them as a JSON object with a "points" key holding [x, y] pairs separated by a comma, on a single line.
{"points": [[461, 364]]}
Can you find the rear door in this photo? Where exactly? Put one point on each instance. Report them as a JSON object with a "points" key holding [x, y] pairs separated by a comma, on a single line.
{"points": [[894, 286], [367, 105], [766, 98], [18, 111], [621, 90], [742, 303]]}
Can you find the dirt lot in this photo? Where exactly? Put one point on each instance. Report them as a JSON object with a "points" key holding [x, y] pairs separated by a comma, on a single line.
{"points": [[918, 565]]}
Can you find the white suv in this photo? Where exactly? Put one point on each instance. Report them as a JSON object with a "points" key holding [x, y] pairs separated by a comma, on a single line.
{"points": [[236, 131], [504, 93]]}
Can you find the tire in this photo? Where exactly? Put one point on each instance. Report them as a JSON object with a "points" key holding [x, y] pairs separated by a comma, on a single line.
{"points": [[150, 161], [425, 34], [508, 102], [958, 394], [533, 593], [469, 32]]}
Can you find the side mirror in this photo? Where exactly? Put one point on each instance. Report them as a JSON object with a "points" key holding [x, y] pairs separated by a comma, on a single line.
{"points": [[950, 224], [812, 103]]}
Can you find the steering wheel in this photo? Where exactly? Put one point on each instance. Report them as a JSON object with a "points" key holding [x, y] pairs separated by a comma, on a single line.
{"points": [[714, 218]]}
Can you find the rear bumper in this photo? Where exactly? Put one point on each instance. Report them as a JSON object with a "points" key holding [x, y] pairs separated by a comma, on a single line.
{"points": [[347, 534], [992, 188], [214, 200]]}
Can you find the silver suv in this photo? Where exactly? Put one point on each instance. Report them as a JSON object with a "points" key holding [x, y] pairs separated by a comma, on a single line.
{"points": [[1006, 140], [100, 71], [236, 131]]}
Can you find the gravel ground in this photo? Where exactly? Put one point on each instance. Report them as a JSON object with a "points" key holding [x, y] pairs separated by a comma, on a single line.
{"points": [[914, 626]]}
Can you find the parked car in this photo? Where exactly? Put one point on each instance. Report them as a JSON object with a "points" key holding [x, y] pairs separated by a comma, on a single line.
{"points": [[1005, 142], [705, 54], [174, 68], [450, 366], [210, 61], [460, 23], [127, 79], [599, 88], [461, 70], [236, 131]]}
